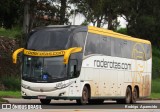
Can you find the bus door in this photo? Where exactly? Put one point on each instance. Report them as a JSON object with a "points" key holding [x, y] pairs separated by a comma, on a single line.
{"points": [[73, 73]]}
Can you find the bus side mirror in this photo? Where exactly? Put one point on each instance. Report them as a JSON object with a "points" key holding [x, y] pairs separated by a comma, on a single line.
{"points": [[69, 52], [14, 56]]}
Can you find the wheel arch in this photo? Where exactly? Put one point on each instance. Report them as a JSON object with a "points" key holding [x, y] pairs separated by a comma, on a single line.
{"points": [[137, 87], [89, 89], [129, 87]]}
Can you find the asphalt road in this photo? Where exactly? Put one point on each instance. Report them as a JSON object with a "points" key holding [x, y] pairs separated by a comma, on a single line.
{"points": [[71, 106]]}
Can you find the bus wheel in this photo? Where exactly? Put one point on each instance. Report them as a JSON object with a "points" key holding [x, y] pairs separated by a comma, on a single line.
{"points": [[85, 96], [128, 98], [45, 101], [134, 95]]}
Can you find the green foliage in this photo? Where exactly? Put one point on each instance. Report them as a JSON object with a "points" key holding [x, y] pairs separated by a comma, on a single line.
{"points": [[143, 18], [11, 83], [155, 63], [155, 88], [10, 94], [10, 33], [156, 85], [98, 12], [122, 31], [47, 12], [155, 95], [11, 12]]}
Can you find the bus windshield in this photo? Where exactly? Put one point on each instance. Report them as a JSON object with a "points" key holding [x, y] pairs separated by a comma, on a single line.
{"points": [[48, 39], [38, 69]]}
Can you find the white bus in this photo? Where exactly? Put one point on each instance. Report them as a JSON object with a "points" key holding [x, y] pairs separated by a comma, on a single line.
{"points": [[86, 64]]}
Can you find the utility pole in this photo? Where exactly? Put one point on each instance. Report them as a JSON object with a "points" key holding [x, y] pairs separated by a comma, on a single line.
{"points": [[26, 16], [26, 21]]}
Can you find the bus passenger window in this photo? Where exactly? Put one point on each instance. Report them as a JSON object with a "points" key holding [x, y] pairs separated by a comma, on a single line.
{"points": [[116, 47], [105, 45], [126, 48], [92, 44], [148, 51]]}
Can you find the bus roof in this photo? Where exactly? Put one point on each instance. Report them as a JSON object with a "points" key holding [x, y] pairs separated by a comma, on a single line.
{"points": [[111, 33], [96, 30]]}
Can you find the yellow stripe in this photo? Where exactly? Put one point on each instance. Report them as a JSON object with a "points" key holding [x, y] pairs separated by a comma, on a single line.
{"points": [[66, 53], [106, 32]]}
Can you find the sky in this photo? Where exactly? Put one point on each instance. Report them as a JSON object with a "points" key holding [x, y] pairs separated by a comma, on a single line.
{"points": [[79, 18]]}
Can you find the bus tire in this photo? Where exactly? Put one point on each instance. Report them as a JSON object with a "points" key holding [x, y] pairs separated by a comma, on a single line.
{"points": [[45, 101], [128, 97], [85, 96], [134, 95]]}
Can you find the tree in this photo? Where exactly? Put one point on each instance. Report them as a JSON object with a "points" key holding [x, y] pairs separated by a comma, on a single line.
{"points": [[63, 18], [131, 9], [99, 12], [92, 10], [44, 12], [143, 18], [10, 13], [111, 11]]}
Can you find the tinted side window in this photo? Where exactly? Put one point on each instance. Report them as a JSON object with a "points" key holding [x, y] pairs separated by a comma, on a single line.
{"points": [[126, 49], [92, 44], [79, 39], [105, 45], [116, 45], [147, 51]]}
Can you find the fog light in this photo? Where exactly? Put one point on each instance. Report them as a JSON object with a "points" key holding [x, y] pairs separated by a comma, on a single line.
{"points": [[24, 93]]}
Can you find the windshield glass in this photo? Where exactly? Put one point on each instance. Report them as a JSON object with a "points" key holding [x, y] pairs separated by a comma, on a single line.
{"points": [[37, 69], [48, 39]]}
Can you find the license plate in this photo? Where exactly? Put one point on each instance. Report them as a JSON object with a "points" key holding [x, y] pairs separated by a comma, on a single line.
{"points": [[41, 97]]}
